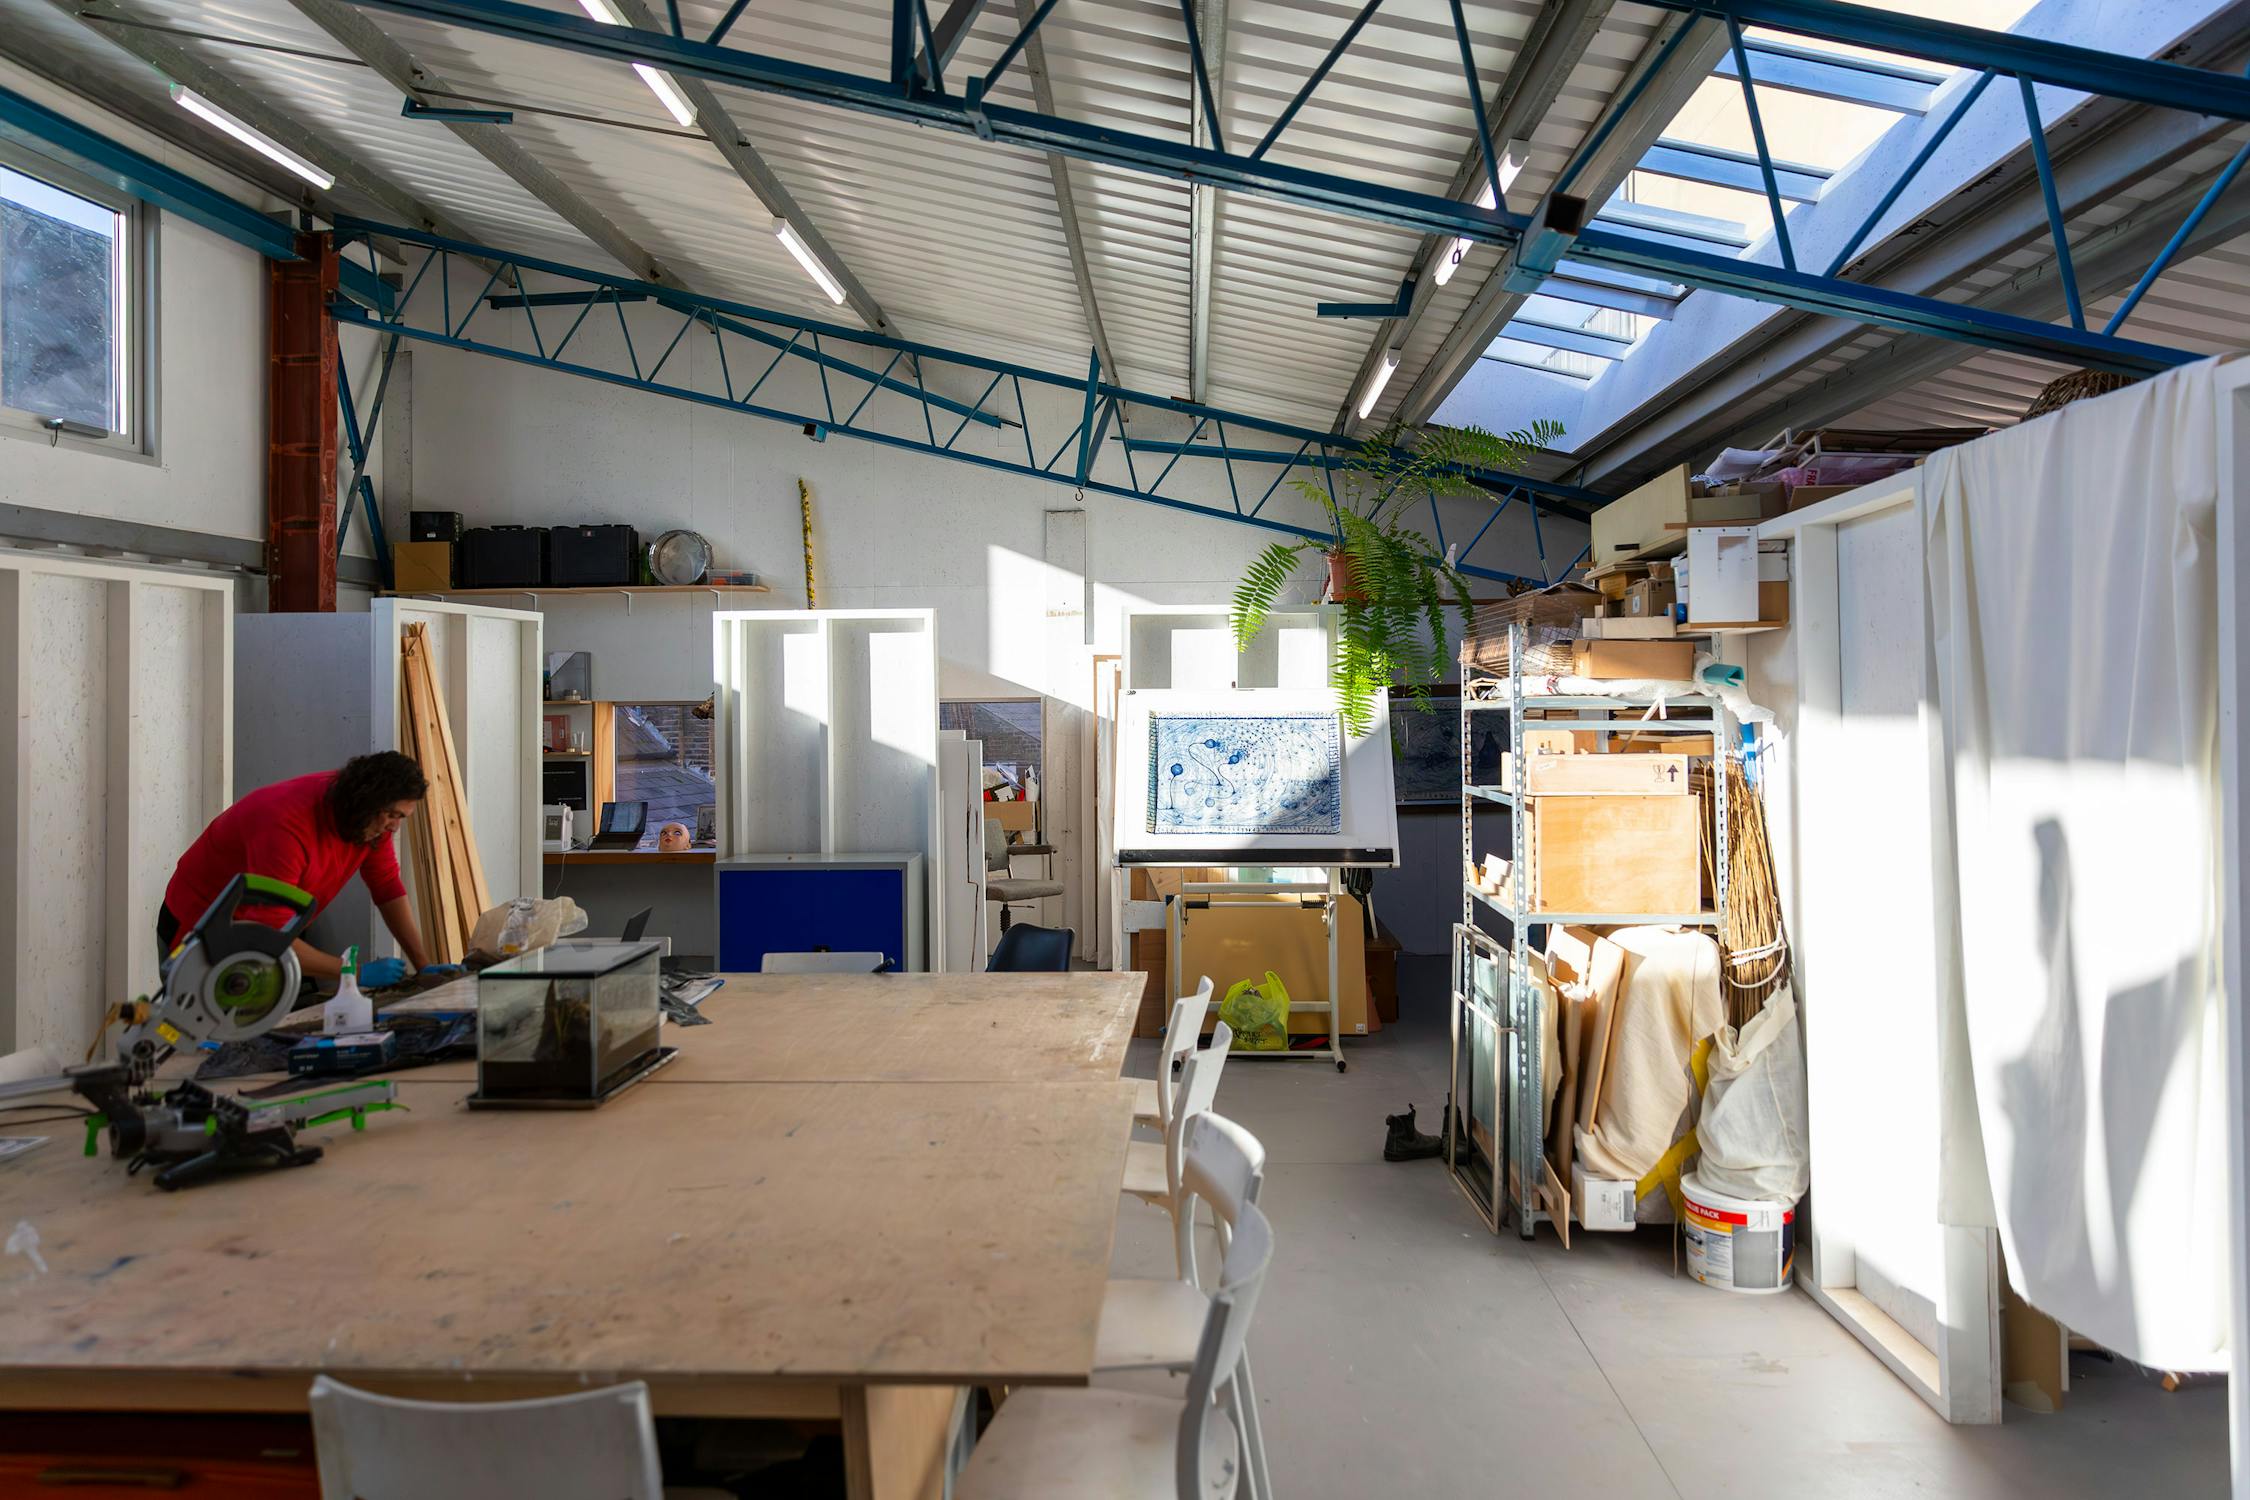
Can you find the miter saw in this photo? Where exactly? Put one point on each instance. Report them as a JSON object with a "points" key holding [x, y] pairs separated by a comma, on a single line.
{"points": [[227, 980]]}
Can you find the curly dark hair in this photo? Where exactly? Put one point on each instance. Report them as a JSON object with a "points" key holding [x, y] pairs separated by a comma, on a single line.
{"points": [[370, 783]]}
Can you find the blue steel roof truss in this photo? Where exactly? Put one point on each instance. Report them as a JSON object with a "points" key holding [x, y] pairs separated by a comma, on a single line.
{"points": [[895, 88], [872, 366]]}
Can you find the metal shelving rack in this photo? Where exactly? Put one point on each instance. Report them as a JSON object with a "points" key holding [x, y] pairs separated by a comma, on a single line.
{"points": [[1513, 1165]]}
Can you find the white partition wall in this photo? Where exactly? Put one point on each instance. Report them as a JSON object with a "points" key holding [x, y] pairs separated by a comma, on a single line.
{"points": [[1853, 803], [116, 683], [826, 738], [319, 689]]}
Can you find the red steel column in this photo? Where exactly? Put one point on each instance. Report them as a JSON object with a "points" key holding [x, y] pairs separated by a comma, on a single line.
{"points": [[301, 429]]}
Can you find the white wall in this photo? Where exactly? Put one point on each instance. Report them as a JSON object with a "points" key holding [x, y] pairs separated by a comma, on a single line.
{"points": [[1025, 591], [208, 470]]}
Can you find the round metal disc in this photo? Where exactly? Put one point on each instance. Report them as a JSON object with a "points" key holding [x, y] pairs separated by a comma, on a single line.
{"points": [[679, 557]]}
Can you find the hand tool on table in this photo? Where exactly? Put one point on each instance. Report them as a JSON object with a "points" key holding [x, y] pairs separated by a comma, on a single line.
{"points": [[229, 979]]}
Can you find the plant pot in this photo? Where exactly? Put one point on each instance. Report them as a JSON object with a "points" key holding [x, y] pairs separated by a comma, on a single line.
{"points": [[1343, 583]]}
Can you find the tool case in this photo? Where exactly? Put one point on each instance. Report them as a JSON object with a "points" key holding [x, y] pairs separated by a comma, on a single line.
{"points": [[504, 557], [434, 525], [589, 556]]}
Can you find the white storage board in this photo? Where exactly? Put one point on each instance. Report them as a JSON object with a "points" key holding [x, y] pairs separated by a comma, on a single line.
{"points": [[1181, 660], [826, 738], [116, 682]]}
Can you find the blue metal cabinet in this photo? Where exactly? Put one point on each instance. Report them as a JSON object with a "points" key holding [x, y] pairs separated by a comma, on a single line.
{"points": [[804, 903]]}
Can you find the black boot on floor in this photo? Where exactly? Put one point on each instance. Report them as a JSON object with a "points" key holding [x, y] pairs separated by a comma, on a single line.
{"points": [[1405, 1143]]}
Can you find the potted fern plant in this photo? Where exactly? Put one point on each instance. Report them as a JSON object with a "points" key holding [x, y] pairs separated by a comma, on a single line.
{"points": [[1394, 590]]}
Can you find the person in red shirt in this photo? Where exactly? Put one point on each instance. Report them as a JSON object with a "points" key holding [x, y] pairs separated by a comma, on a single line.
{"points": [[315, 832]]}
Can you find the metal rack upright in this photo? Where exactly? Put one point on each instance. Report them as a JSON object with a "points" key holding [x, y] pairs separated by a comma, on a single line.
{"points": [[1512, 1018]]}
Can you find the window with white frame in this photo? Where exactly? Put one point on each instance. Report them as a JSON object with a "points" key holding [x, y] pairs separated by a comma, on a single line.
{"points": [[71, 321]]}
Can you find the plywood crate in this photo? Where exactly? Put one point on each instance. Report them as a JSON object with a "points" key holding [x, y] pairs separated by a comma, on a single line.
{"points": [[1653, 519], [1615, 854], [1600, 775]]}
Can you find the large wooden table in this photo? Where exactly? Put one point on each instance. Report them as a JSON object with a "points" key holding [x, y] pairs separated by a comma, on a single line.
{"points": [[822, 1210], [899, 1028]]}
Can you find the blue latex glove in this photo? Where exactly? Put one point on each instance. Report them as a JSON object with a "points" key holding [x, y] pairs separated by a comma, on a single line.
{"points": [[381, 973]]}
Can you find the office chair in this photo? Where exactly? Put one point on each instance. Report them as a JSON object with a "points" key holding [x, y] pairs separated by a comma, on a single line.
{"points": [[1029, 949]]}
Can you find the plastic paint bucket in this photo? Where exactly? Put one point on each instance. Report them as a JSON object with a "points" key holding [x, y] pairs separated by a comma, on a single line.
{"points": [[1737, 1244]]}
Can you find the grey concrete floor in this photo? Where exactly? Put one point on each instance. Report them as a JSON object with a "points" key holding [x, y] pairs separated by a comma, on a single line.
{"points": [[1402, 1350]]}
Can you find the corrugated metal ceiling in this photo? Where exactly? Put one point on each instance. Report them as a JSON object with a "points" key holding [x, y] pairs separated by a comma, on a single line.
{"points": [[961, 242]]}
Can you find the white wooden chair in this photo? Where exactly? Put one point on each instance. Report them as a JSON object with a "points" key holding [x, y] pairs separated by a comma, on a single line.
{"points": [[590, 1445], [1125, 1445], [1154, 1327], [1181, 1033], [1152, 1168]]}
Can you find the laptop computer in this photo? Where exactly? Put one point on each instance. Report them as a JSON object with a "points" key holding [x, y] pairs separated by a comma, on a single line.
{"points": [[636, 924], [622, 825]]}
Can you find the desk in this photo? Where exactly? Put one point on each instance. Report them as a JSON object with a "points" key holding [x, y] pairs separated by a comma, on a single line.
{"points": [[852, 1251], [613, 884]]}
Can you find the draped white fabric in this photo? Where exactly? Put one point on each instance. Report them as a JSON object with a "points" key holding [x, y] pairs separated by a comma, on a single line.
{"points": [[2072, 595]]}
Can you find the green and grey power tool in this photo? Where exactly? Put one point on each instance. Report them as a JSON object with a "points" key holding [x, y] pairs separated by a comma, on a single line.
{"points": [[228, 979]]}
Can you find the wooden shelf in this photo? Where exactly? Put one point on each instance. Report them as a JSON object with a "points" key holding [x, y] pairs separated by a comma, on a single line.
{"points": [[629, 857], [567, 755], [567, 703], [607, 588]]}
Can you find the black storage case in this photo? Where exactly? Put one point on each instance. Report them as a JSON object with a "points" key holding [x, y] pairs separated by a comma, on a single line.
{"points": [[593, 556], [504, 557], [433, 525]]}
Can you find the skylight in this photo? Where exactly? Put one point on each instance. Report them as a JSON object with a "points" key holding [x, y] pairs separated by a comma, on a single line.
{"points": [[1823, 105]]}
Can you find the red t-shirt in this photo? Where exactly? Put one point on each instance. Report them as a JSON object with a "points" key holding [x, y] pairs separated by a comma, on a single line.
{"points": [[284, 831]]}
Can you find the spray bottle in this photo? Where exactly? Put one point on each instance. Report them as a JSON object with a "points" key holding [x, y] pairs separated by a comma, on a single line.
{"points": [[347, 1010]]}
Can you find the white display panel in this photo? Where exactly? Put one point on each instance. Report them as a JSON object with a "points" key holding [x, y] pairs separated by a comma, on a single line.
{"points": [[1368, 831]]}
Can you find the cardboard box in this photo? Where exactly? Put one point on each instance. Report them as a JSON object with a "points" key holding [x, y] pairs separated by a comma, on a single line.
{"points": [[1601, 1204], [1648, 599], [1614, 585], [1692, 746], [421, 567], [1812, 494], [1629, 855], [1654, 775], [1619, 659], [1655, 628]]}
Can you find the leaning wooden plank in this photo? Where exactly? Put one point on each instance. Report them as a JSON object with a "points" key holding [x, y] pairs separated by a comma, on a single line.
{"points": [[476, 891], [414, 655], [421, 855]]}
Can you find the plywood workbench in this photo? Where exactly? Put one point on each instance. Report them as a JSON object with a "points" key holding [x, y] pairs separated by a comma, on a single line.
{"points": [[856, 1248], [866, 1028]]}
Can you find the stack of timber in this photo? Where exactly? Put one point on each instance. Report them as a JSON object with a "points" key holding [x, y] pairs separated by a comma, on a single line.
{"points": [[449, 887]]}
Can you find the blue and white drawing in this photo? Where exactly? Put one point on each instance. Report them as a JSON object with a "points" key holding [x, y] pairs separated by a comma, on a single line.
{"points": [[1245, 773]]}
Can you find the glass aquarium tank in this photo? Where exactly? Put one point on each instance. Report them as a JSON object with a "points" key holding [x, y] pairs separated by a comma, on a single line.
{"points": [[567, 1025]]}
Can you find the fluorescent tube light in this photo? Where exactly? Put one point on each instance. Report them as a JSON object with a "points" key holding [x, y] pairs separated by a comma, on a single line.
{"points": [[659, 82], [1512, 158], [811, 262], [1376, 381], [667, 93], [265, 145]]}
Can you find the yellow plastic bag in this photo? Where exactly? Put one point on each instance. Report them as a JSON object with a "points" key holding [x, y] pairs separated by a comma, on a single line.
{"points": [[1258, 1014]]}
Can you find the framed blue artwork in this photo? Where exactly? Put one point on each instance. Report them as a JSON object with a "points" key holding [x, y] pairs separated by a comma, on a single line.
{"points": [[1245, 773]]}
